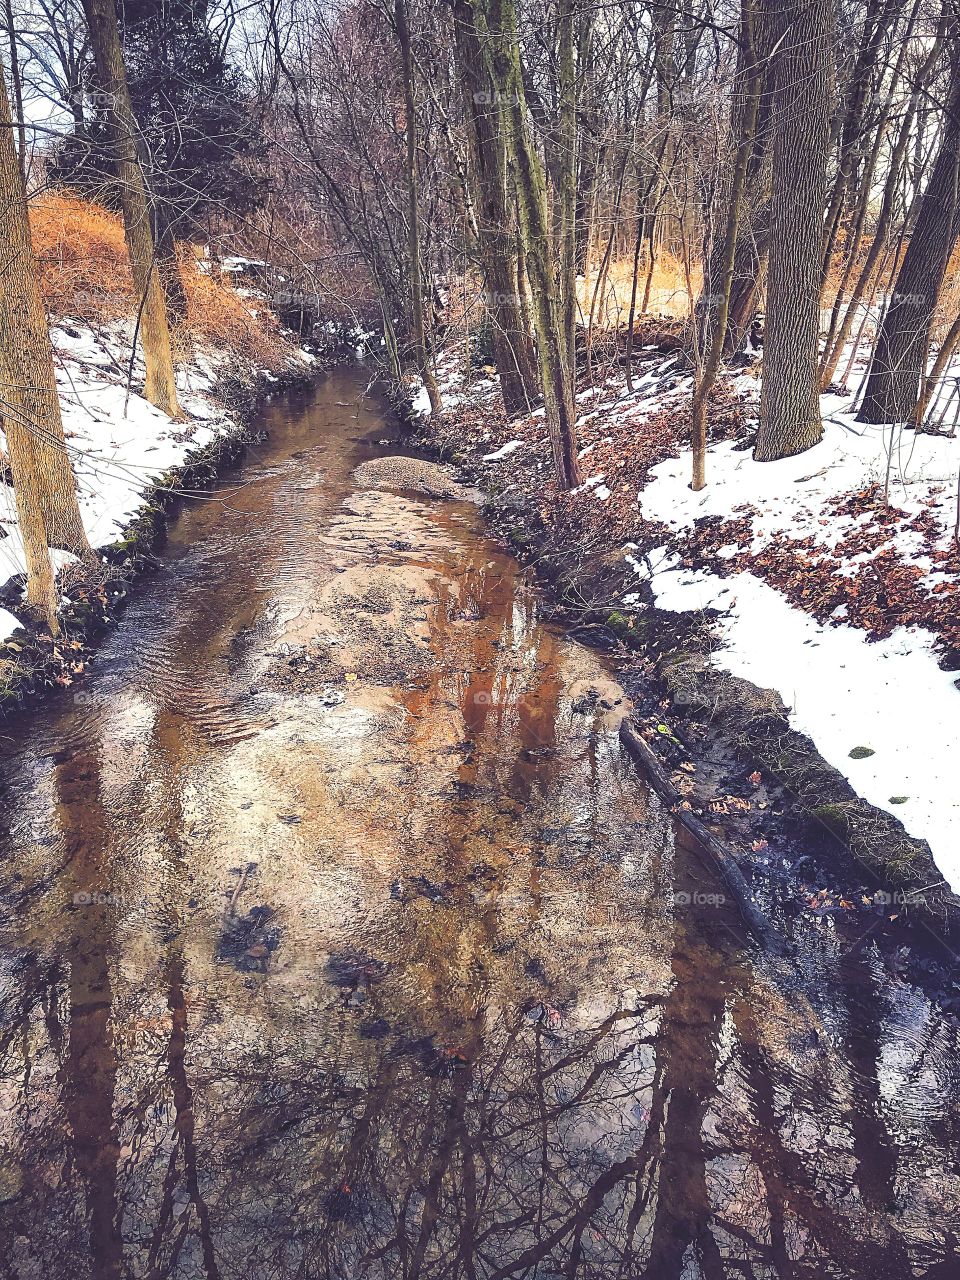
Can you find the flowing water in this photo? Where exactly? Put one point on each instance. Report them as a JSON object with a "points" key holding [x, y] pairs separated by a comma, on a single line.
{"points": [[339, 939]]}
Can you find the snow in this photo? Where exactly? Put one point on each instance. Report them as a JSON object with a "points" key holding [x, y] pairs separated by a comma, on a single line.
{"points": [[844, 690], [504, 451], [789, 495], [118, 443], [420, 404], [8, 624]]}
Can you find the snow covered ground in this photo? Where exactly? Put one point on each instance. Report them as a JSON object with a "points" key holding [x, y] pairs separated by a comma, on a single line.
{"points": [[885, 699], [888, 697], [119, 443]]}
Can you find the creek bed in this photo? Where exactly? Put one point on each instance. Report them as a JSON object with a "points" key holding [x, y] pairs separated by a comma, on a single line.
{"points": [[339, 938]]}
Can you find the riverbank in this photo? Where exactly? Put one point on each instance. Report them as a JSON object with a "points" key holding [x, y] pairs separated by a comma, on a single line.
{"points": [[133, 466], [798, 738]]}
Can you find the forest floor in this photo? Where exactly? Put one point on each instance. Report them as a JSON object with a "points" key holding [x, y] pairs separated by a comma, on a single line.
{"points": [[800, 617]]}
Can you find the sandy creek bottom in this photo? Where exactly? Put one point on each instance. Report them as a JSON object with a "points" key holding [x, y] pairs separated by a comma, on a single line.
{"points": [[339, 939]]}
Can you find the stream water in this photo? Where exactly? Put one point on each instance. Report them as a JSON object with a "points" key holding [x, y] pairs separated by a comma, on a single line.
{"points": [[339, 939]]}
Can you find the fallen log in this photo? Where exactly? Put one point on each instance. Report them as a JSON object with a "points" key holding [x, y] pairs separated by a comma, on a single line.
{"points": [[724, 860]]}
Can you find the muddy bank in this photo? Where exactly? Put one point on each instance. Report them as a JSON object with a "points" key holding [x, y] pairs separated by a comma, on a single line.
{"points": [[762, 786]]}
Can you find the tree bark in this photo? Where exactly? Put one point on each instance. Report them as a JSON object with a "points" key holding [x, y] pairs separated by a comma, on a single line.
{"points": [[500, 19], [16, 86], [154, 329], [496, 221], [421, 355], [789, 401], [903, 342], [46, 496]]}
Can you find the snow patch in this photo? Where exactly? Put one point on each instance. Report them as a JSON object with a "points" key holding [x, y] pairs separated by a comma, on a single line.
{"points": [[844, 692], [504, 451]]}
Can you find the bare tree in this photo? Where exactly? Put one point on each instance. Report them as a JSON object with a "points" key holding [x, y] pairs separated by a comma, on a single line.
{"points": [[900, 357], [498, 18], [153, 327], [47, 507]]}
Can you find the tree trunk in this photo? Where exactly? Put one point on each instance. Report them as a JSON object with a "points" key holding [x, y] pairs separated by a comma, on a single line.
{"points": [[43, 484], [496, 222], [168, 263], [900, 357], [566, 194], [715, 334], [16, 86], [838, 334], [503, 52], [153, 328], [753, 222], [944, 356], [789, 401], [420, 353]]}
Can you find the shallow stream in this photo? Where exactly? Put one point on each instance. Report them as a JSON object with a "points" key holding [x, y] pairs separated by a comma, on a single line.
{"points": [[340, 939]]}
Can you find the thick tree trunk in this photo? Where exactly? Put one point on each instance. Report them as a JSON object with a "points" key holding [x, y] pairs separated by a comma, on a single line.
{"points": [[496, 221], [500, 19], [789, 402], [903, 342], [46, 496], [153, 328]]}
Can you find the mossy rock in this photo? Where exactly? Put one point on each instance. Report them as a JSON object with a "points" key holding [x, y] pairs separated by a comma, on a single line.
{"points": [[862, 753]]}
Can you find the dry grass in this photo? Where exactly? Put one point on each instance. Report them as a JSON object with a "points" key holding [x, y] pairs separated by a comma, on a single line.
{"points": [[82, 256], [220, 318], [668, 291], [84, 274]]}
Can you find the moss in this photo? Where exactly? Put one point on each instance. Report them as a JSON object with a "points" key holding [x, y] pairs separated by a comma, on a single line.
{"points": [[862, 753], [899, 799], [834, 818]]}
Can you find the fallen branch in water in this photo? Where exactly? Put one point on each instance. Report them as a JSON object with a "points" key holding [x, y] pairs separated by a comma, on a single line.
{"points": [[726, 864]]}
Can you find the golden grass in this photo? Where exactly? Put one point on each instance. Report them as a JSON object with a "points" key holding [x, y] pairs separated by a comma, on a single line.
{"points": [[84, 274], [82, 259], [668, 291]]}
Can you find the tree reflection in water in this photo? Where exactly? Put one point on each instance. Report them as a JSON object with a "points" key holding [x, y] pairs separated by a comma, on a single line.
{"points": [[490, 1041]]}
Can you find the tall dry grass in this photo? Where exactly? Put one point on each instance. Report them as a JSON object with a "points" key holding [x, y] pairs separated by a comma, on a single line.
{"points": [[84, 275], [668, 295]]}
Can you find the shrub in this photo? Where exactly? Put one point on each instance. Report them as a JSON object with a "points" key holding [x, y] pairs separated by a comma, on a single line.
{"points": [[85, 275]]}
